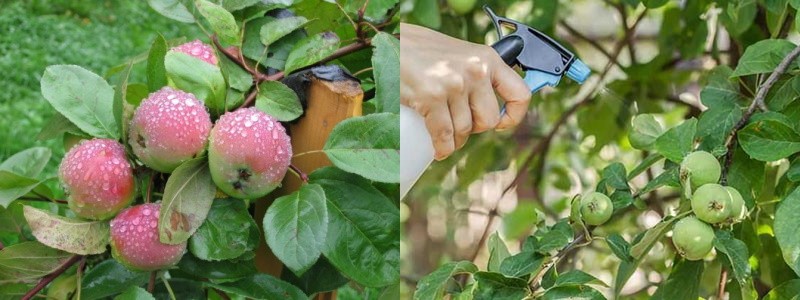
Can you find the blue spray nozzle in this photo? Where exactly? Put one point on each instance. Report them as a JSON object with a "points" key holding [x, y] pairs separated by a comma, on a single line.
{"points": [[542, 58], [578, 71]]}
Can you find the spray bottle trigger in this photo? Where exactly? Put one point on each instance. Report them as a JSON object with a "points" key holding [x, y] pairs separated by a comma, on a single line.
{"points": [[536, 80]]}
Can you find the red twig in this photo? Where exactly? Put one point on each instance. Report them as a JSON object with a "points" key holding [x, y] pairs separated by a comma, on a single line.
{"points": [[151, 285], [49, 278], [299, 172]]}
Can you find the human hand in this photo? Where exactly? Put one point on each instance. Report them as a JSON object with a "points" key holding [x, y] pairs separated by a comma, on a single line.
{"points": [[452, 84]]}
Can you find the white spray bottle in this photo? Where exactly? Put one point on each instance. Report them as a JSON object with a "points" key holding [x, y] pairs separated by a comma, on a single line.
{"points": [[544, 61]]}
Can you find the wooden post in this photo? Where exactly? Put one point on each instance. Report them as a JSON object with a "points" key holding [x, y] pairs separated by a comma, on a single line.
{"points": [[328, 103]]}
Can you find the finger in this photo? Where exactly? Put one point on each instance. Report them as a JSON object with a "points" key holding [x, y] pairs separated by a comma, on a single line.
{"points": [[485, 110], [462, 119], [514, 92], [440, 127]]}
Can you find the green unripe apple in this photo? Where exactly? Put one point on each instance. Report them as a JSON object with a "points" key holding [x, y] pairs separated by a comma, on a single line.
{"points": [[596, 208], [693, 238], [461, 6], [701, 167], [738, 207], [711, 203]]}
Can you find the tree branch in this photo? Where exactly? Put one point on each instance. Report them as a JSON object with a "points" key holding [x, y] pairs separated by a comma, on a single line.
{"points": [[50, 277], [574, 32], [758, 103]]}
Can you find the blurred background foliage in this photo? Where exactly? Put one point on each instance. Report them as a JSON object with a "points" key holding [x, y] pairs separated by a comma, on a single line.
{"points": [[644, 60], [95, 34]]}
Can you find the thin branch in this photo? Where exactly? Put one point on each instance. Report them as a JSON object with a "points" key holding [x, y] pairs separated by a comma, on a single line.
{"points": [[222, 294], [49, 278], [237, 58], [723, 280], [592, 42], [151, 286], [2, 246], [758, 103], [299, 172], [150, 187]]}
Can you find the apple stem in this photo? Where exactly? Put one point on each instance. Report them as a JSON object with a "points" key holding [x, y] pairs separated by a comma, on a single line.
{"points": [[152, 284], [299, 173], [50, 277]]}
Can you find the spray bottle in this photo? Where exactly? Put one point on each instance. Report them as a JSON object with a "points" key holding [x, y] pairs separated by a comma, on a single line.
{"points": [[544, 61]]}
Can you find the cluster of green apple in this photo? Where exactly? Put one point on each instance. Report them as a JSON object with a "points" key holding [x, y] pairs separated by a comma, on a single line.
{"points": [[712, 204]]}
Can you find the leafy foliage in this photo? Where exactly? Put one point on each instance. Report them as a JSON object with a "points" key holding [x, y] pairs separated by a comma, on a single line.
{"points": [[43, 240]]}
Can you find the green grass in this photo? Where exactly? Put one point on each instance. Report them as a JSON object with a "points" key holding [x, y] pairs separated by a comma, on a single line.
{"points": [[96, 35]]}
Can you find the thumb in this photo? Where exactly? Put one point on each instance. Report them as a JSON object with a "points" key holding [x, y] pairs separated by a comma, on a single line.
{"points": [[510, 86]]}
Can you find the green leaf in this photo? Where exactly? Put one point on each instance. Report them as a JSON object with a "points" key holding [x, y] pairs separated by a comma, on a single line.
{"points": [[783, 93], [787, 290], [222, 270], [736, 252], [279, 101], [519, 222], [721, 96], [558, 236], [368, 146], [295, 227], [434, 285], [677, 141], [188, 196], [521, 264], [156, 71], [261, 286], [668, 177], [763, 57], [787, 220], [683, 281], [29, 260], [172, 9], [738, 15], [136, 92], [83, 97], [71, 235], [654, 3], [109, 278], [13, 186], [386, 64], [278, 28], [120, 91], [651, 236], [363, 228], [311, 50], [497, 252], [573, 292], [56, 126], [615, 177], [14, 291], [228, 232], [645, 129], [577, 278], [322, 277], [619, 246], [28, 163], [221, 21], [203, 80], [496, 286], [234, 5], [769, 140], [236, 77], [135, 293], [427, 13]]}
